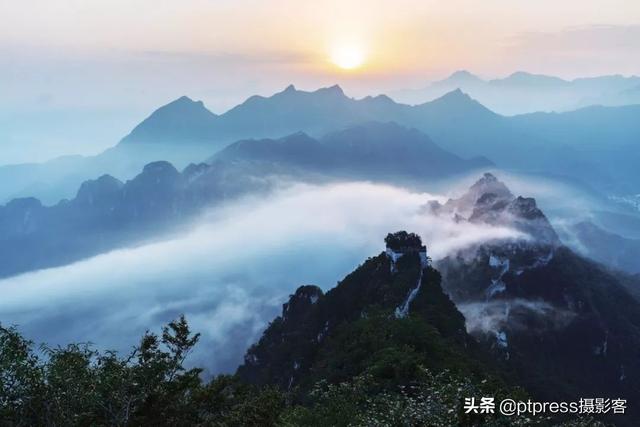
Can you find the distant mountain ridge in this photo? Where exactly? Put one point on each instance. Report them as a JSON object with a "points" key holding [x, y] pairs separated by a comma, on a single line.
{"points": [[107, 213], [552, 143], [180, 119], [289, 111], [522, 92], [594, 145], [374, 151]]}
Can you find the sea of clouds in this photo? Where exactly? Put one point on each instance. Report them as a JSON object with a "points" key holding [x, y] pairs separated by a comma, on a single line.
{"points": [[230, 272]]}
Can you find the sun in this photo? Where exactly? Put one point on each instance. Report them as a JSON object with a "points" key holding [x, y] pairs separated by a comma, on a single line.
{"points": [[348, 57]]}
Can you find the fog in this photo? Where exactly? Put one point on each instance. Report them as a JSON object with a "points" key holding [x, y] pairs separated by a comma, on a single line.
{"points": [[230, 272], [492, 317]]}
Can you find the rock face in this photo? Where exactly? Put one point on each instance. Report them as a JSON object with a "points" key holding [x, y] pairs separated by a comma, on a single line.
{"points": [[318, 336], [489, 201], [564, 324], [402, 243]]}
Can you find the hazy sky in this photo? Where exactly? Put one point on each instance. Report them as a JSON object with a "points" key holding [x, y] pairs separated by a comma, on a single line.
{"points": [[111, 62]]}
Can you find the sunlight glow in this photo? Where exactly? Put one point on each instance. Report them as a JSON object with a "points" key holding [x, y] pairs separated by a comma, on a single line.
{"points": [[348, 57]]}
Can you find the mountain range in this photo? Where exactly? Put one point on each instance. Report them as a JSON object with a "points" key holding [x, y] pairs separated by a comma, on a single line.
{"points": [[594, 145], [522, 92], [107, 213], [359, 152]]}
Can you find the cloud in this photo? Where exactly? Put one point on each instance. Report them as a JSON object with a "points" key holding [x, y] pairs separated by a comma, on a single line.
{"points": [[230, 272], [493, 317]]}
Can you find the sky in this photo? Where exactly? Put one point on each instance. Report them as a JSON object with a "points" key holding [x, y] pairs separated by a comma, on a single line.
{"points": [[77, 75]]}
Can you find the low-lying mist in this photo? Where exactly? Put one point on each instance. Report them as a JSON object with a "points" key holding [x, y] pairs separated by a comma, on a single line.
{"points": [[230, 273]]}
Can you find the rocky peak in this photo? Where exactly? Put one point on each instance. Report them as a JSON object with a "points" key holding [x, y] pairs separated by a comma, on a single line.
{"points": [[158, 169], [313, 324], [154, 192], [525, 207], [401, 241], [20, 216], [103, 189], [334, 90], [489, 184], [489, 201], [23, 204], [482, 195], [301, 301]]}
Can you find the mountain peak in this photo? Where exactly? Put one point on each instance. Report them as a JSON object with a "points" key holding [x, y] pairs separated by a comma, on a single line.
{"points": [[184, 99], [523, 77], [456, 94], [332, 90], [462, 76], [456, 103], [181, 119], [99, 191], [456, 99], [491, 202], [183, 104], [295, 345], [489, 183], [159, 167]]}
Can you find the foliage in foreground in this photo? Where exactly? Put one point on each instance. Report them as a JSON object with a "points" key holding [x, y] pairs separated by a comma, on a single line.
{"points": [[79, 386]]}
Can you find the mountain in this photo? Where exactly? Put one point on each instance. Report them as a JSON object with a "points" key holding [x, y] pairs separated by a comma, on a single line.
{"points": [[545, 143], [559, 144], [385, 347], [594, 145], [521, 79], [181, 120], [565, 330], [565, 325], [359, 152], [385, 328], [459, 79], [285, 112], [522, 92], [489, 201], [315, 113], [107, 213]]}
